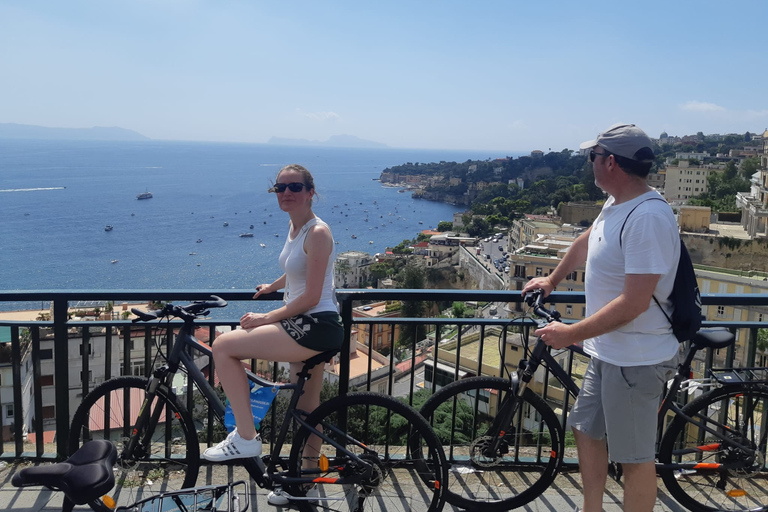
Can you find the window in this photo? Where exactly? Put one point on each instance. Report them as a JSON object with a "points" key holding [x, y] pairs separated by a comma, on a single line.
{"points": [[720, 310], [584, 311], [583, 276], [572, 276], [9, 411], [568, 309], [49, 412], [46, 353], [46, 380], [759, 317], [539, 272]]}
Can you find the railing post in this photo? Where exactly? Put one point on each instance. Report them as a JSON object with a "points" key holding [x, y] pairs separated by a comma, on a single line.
{"points": [[61, 374], [344, 366]]}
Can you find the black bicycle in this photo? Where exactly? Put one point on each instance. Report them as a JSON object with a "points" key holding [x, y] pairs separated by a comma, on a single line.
{"points": [[508, 443], [377, 453]]}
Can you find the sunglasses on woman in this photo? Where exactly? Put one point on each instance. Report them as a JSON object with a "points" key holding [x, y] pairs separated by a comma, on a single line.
{"points": [[279, 188]]}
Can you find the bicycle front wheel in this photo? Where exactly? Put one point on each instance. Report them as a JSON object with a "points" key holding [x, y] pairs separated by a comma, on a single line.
{"points": [[718, 476], [527, 459], [398, 463], [167, 459]]}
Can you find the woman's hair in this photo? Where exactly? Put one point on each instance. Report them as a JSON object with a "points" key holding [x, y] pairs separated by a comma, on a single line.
{"points": [[305, 174]]}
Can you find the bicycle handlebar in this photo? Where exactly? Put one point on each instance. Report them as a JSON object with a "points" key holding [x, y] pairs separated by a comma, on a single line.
{"points": [[534, 299], [188, 312]]}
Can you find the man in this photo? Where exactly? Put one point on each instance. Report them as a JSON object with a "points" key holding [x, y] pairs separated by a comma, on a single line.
{"points": [[631, 253]]}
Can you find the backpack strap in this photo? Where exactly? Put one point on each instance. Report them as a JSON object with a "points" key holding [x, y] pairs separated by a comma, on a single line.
{"points": [[620, 245]]}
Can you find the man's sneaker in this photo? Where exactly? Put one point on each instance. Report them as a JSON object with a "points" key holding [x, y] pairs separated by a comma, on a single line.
{"points": [[278, 497], [234, 447]]}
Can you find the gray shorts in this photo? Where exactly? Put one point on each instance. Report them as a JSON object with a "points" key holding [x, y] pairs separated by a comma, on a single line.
{"points": [[622, 402]]}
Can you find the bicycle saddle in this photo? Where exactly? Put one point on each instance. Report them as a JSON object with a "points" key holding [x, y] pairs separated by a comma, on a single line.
{"points": [[85, 476], [322, 357], [713, 338]]}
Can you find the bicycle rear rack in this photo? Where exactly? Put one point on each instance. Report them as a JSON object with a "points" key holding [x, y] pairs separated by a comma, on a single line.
{"points": [[225, 498], [740, 375]]}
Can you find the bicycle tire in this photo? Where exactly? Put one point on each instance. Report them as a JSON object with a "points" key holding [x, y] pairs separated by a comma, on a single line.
{"points": [[152, 469], [400, 479], [705, 489], [534, 454]]}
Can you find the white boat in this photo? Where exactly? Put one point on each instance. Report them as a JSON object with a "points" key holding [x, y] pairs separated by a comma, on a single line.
{"points": [[263, 245], [113, 261], [246, 235], [226, 224], [145, 195]]}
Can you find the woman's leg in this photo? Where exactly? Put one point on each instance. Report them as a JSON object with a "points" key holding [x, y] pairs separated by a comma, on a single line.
{"points": [[308, 402], [269, 342]]}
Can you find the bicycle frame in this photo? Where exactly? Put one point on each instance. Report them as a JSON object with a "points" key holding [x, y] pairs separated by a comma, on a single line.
{"points": [[265, 475], [540, 354]]}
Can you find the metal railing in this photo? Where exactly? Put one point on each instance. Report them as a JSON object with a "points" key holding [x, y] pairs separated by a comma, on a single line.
{"points": [[28, 391]]}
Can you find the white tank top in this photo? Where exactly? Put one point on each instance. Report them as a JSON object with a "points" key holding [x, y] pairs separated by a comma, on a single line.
{"points": [[293, 261]]}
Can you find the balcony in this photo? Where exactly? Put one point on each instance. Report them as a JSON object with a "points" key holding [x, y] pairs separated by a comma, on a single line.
{"points": [[44, 375]]}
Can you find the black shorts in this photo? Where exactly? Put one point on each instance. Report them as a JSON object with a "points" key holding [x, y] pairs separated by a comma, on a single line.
{"points": [[317, 331]]}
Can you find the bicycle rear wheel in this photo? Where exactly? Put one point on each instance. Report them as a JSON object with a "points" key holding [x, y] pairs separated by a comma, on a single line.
{"points": [[526, 461], [726, 478], [169, 461], [379, 430]]}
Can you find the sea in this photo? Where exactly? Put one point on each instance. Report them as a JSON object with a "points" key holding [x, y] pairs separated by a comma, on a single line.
{"points": [[57, 197]]}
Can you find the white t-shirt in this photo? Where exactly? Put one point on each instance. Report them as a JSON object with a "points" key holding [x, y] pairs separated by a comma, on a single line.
{"points": [[650, 245]]}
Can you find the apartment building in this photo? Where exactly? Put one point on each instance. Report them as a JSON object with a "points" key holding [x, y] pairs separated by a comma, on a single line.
{"points": [[754, 205], [352, 269], [684, 181], [379, 336], [527, 229]]}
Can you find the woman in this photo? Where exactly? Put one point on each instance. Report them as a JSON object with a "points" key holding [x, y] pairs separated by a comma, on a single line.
{"points": [[308, 322]]}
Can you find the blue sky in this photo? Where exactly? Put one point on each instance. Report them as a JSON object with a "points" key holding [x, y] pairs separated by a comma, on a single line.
{"points": [[496, 75]]}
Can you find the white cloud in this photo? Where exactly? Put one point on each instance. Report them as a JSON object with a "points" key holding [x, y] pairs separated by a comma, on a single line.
{"points": [[701, 106], [319, 116]]}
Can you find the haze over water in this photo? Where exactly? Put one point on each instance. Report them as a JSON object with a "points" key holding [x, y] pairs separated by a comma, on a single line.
{"points": [[56, 197]]}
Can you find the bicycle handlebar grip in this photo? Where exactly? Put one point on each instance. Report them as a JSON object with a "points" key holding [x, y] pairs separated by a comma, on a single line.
{"points": [[143, 316]]}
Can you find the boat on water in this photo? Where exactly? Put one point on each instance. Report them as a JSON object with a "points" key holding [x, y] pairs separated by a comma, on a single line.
{"points": [[354, 236], [192, 253], [108, 227], [199, 240], [226, 224], [246, 235], [370, 241], [113, 261], [251, 226], [263, 245], [145, 195]]}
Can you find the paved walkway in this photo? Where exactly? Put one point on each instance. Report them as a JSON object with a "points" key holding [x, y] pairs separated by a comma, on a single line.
{"points": [[564, 495]]}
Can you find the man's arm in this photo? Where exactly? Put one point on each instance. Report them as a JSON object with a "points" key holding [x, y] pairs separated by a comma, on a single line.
{"points": [[635, 298], [573, 259]]}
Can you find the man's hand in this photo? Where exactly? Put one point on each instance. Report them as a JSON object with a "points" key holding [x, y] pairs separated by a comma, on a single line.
{"points": [[557, 335], [539, 282]]}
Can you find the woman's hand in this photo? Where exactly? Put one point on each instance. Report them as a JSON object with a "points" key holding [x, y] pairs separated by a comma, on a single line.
{"points": [[252, 320], [262, 288]]}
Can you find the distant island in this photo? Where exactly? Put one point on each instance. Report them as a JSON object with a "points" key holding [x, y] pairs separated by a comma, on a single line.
{"points": [[28, 131], [336, 141]]}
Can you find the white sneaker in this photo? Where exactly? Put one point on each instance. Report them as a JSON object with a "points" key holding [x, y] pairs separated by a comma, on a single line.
{"points": [[233, 447], [278, 497]]}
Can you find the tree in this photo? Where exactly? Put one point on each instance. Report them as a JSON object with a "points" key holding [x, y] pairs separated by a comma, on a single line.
{"points": [[750, 166], [459, 309], [444, 225], [343, 268]]}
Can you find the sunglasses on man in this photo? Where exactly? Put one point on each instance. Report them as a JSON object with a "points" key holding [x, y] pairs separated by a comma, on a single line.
{"points": [[593, 155], [279, 188]]}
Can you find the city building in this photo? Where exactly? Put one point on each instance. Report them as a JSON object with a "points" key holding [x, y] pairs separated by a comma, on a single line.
{"points": [[684, 181], [352, 269], [380, 336], [754, 205]]}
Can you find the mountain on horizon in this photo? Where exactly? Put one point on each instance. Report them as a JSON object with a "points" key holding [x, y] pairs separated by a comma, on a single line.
{"points": [[28, 131], [336, 141]]}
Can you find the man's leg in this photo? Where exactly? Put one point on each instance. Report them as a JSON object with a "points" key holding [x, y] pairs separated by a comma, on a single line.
{"points": [[639, 487], [593, 465]]}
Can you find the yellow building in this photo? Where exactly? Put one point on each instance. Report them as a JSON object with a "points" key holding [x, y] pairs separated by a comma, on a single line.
{"points": [[694, 218], [684, 181]]}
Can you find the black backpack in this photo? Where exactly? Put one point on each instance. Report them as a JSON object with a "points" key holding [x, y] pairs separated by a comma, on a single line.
{"points": [[685, 296]]}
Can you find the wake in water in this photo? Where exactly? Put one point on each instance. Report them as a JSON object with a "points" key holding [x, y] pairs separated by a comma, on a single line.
{"points": [[31, 189]]}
